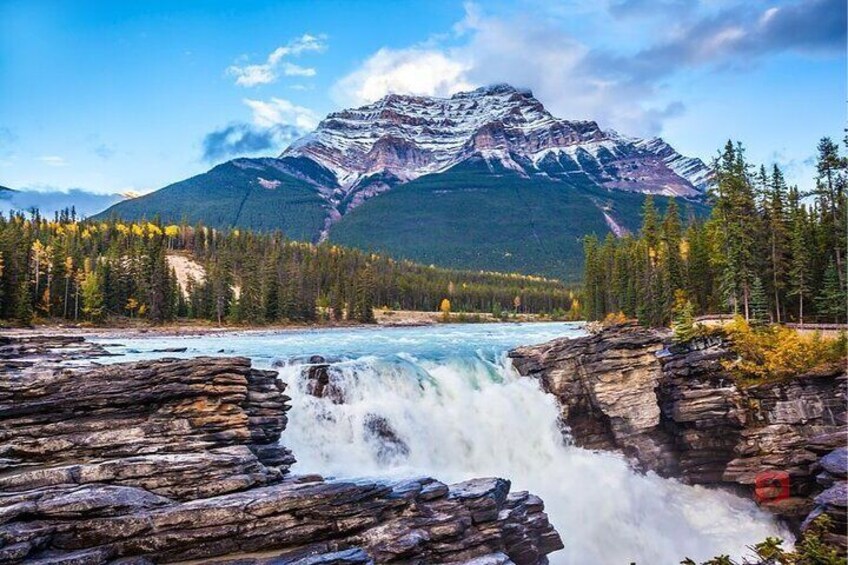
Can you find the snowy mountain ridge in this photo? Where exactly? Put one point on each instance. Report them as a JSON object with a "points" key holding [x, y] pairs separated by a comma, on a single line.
{"points": [[403, 137]]}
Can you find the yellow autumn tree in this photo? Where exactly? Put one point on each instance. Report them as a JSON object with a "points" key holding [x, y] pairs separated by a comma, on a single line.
{"points": [[132, 305], [445, 308]]}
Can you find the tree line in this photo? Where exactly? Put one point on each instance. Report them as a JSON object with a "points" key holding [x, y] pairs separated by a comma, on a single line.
{"points": [[768, 251], [64, 268]]}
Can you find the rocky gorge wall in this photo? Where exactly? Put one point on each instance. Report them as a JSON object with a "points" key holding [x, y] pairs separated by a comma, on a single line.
{"points": [[677, 411], [179, 460]]}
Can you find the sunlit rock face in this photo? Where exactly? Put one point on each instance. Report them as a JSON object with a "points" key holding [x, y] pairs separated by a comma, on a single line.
{"points": [[676, 410], [410, 136]]}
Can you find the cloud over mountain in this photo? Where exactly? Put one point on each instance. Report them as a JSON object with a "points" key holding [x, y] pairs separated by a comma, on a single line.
{"points": [[239, 139], [623, 89]]}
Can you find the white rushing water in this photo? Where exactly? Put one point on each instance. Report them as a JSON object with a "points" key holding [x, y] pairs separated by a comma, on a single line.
{"points": [[445, 401]]}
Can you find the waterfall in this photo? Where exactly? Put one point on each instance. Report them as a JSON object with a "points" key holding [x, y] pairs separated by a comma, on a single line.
{"points": [[444, 401], [474, 416]]}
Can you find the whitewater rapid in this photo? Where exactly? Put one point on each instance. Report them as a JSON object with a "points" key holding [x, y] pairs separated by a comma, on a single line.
{"points": [[446, 402]]}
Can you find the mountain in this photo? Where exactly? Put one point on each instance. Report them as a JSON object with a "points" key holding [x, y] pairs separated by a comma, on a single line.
{"points": [[411, 136], [487, 179]]}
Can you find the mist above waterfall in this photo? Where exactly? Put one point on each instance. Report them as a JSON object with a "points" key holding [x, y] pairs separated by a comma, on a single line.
{"points": [[445, 402]]}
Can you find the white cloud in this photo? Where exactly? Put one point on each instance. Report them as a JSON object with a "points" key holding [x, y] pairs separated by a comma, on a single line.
{"points": [[270, 70], [520, 51], [278, 111], [422, 71], [292, 70], [53, 160]]}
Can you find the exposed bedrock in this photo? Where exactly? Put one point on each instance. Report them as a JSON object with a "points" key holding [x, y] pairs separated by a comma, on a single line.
{"points": [[177, 460], [676, 410]]}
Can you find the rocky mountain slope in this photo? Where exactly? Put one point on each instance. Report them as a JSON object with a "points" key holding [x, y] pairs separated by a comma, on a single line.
{"points": [[474, 159], [675, 410], [179, 460]]}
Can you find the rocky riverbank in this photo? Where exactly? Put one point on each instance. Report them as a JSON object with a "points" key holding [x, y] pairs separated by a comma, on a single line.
{"points": [[677, 411], [180, 460]]}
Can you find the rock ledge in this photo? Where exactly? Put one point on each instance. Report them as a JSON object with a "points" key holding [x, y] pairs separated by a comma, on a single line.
{"points": [[179, 460]]}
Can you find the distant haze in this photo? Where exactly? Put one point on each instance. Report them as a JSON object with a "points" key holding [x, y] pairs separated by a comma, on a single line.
{"points": [[50, 201]]}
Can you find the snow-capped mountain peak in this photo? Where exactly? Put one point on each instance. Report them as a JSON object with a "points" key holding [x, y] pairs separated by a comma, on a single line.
{"points": [[407, 136]]}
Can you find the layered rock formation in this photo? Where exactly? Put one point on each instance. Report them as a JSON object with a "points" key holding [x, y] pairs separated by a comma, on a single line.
{"points": [[677, 411], [26, 351], [176, 460]]}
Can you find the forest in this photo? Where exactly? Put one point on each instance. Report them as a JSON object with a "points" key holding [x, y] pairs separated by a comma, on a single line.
{"points": [[769, 252], [89, 271]]}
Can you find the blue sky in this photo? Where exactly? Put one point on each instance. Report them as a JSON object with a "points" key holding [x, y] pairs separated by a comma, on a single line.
{"points": [[112, 97]]}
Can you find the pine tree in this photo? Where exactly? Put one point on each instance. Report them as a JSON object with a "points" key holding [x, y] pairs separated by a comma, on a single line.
{"points": [[830, 193], [23, 304], [271, 284], [777, 238], [683, 322], [364, 293], [593, 287], [671, 265], [650, 225], [337, 302], [799, 276], [831, 299], [92, 296], [250, 306], [759, 303], [736, 219], [156, 280]]}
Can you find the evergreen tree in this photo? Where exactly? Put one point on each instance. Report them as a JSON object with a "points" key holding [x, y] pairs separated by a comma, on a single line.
{"points": [[364, 293], [761, 253], [593, 286], [799, 276], [831, 299], [337, 302], [699, 273], [92, 296], [23, 303], [759, 303], [736, 220], [650, 225], [250, 306], [831, 200], [777, 231], [683, 321]]}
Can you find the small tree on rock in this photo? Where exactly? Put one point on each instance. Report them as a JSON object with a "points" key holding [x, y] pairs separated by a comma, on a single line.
{"points": [[683, 321]]}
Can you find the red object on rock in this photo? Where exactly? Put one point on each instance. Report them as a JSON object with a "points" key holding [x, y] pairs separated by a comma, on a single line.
{"points": [[771, 486]]}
